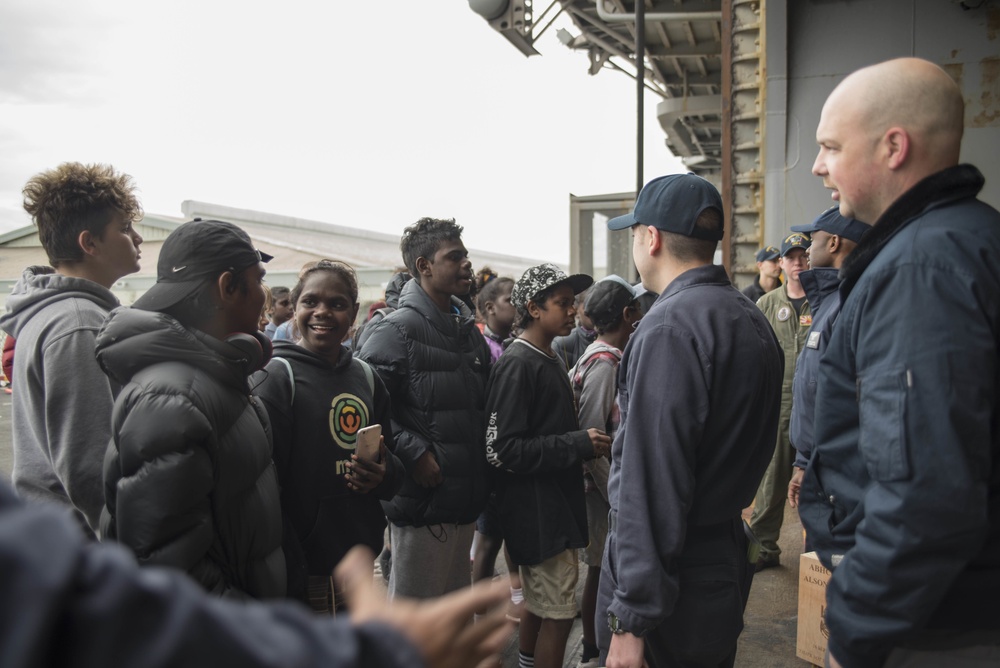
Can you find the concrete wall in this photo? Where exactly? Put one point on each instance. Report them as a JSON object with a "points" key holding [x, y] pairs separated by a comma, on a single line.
{"points": [[827, 39]]}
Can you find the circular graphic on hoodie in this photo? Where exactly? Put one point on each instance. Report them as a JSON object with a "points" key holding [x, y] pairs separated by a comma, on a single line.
{"points": [[348, 415]]}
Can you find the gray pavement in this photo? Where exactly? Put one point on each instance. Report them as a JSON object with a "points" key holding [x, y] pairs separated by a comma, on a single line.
{"points": [[768, 641]]}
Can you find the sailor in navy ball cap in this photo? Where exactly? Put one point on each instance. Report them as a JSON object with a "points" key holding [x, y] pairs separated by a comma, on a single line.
{"points": [[673, 203], [699, 395]]}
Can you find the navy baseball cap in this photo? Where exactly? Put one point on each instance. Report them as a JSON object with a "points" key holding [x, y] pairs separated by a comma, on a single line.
{"points": [[831, 221], [768, 253], [673, 203], [192, 254], [793, 241]]}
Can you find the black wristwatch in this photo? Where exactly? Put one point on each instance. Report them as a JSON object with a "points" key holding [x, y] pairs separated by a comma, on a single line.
{"points": [[615, 624]]}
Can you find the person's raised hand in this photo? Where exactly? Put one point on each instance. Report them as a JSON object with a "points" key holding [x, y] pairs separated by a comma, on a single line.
{"points": [[441, 629]]}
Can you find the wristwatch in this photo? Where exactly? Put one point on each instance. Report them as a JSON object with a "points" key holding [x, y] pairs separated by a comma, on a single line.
{"points": [[615, 624]]}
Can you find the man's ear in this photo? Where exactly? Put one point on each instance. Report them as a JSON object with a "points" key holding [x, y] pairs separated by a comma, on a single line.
{"points": [[533, 309], [896, 143], [225, 288], [85, 241], [655, 241], [423, 266], [833, 245]]}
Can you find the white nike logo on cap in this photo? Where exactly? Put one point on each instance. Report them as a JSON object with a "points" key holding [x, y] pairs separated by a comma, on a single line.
{"points": [[176, 269]]}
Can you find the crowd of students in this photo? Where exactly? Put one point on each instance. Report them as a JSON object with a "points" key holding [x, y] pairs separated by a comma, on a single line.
{"points": [[177, 429], [212, 426]]}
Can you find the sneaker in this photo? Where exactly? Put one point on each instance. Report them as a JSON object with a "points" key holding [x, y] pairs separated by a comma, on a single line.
{"points": [[591, 663], [766, 561]]}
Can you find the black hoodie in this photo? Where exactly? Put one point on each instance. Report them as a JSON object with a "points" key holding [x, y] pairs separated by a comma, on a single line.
{"points": [[314, 437]]}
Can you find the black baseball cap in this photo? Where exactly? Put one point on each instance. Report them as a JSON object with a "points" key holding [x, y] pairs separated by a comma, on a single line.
{"points": [[793, 241], [608, 298], [831, 221], [768, 253], [673, 203], [194, 253]]}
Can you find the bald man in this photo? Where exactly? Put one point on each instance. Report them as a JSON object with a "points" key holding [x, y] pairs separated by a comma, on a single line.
{"points": [[902, 494]]}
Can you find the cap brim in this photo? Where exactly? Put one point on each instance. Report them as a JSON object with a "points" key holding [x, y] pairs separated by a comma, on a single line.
{"points": [[164, 295], [807, 229], [622, 222], [579, 282]]}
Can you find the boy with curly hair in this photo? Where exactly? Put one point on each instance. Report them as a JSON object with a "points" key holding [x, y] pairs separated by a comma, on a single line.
{"points": [[62, 410]]}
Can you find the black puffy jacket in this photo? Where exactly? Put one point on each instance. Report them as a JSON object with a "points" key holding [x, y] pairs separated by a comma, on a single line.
{"points": [[435, 366], [188, 477]]}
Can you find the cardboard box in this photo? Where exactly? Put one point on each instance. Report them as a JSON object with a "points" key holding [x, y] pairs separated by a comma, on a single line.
{"points": [[812, 631]]}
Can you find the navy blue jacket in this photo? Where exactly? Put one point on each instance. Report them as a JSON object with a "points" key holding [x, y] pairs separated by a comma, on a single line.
{"points": [[67, 601], [902, 494], [699, 390], [821, 286]]}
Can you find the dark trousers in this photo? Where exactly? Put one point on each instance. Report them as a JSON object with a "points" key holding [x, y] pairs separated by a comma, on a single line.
{"points": [[714, 577]]}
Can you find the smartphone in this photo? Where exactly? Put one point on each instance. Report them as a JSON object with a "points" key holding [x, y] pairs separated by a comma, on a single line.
{"points": [[367, 447]]}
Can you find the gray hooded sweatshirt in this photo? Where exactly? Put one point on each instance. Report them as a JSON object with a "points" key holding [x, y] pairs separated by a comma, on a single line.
{"points": [[62, 402]]}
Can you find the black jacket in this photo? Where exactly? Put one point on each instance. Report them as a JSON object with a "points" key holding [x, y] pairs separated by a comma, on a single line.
{"points": [[534, 438], [902, 493], [754, 291], [392, 291], [188, 477], [314, 436], [435, 366]]}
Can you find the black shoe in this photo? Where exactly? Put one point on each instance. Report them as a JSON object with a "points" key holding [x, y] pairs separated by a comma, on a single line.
{"points": [[766, 561]]}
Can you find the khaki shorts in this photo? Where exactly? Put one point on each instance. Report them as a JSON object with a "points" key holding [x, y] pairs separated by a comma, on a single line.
{"points": [[550, 587]]}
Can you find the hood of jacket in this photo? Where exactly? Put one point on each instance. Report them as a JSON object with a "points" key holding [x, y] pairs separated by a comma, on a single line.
{"points": [[39, 287], [292, 351], [132, 340], [414, 297], [395, 288]]}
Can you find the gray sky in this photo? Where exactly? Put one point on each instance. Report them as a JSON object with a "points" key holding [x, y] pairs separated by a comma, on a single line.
{"points": [[361, 114]]}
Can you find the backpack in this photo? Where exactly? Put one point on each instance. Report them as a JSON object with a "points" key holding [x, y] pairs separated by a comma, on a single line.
{"points": [[369, 374]]}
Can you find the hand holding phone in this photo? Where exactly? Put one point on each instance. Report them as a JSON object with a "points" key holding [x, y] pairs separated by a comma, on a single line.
{"points": [[368, 443]]}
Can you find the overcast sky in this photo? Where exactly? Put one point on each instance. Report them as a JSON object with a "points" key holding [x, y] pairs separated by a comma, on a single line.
{"points": [[362, 114]]}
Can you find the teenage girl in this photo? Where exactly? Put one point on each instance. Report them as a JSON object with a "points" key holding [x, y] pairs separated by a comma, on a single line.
{"points": [[493, 304], [318, 396]]}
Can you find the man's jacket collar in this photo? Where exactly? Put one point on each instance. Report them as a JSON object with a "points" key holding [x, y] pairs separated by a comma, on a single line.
{"points": [[949, 185]]}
